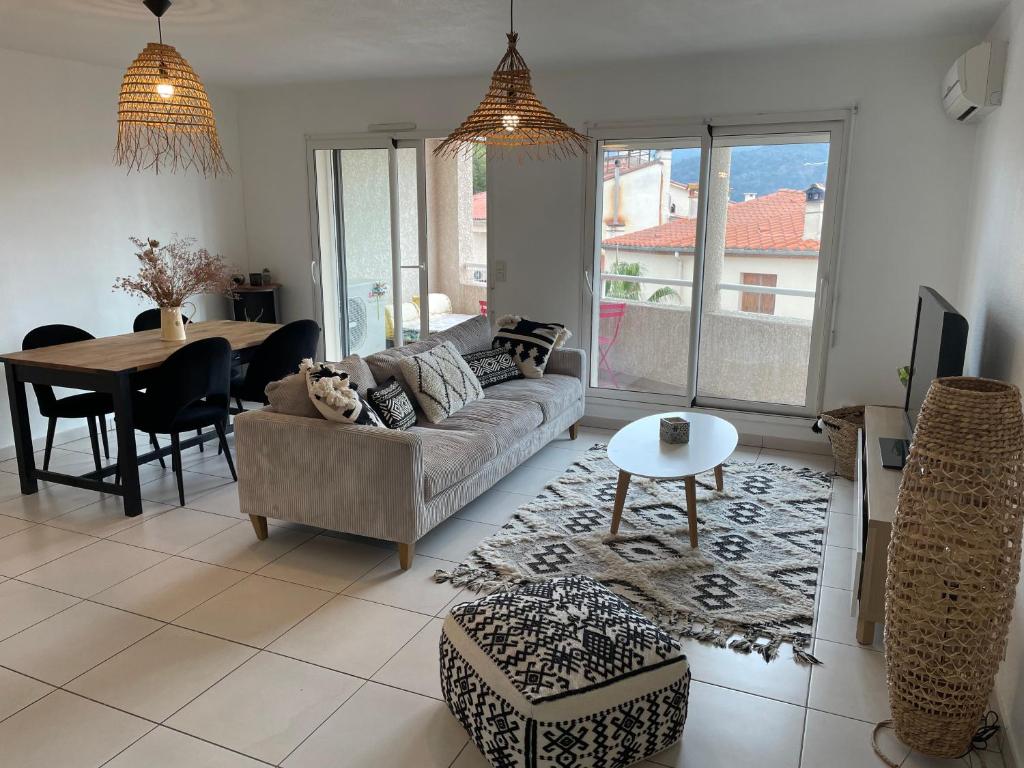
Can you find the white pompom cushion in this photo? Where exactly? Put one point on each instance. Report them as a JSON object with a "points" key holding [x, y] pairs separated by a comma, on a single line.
{"points": [[333, 393], [563, 673]]}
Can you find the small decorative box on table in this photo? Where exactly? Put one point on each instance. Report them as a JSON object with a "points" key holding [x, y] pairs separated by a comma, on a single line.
{"points": [[563, 673]]}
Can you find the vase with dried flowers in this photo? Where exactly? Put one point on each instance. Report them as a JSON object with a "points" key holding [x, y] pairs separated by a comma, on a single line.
{"points": [[171, 274]]}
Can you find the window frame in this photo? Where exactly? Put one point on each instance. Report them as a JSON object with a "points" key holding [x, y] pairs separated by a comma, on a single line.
{"points": [[837, 123]]}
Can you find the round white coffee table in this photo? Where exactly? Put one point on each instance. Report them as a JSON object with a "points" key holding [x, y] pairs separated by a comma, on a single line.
{"points": [[636, 449]]}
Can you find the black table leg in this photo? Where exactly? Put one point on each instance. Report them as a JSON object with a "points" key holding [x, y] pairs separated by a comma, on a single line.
{"points": [[22, 431], [127, 457]]}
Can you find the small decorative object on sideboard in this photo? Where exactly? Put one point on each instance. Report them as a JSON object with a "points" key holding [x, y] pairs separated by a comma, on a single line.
{"points": [[256, 279], [171, 274], [675, 430], [238, 279], [266, 277]]}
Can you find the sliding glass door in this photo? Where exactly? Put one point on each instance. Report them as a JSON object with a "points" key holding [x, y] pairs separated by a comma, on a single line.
{"points": [[646, 230], [400, 241], [712, 264]]}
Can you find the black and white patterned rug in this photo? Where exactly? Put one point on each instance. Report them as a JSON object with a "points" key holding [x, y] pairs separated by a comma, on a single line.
{"points": [[749, 586]]}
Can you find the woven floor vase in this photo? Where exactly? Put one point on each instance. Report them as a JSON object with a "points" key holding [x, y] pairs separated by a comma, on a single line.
{"points": [[954, 559]]}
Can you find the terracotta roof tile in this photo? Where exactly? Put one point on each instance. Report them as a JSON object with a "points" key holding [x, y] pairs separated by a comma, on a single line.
{"points": [[774, 222], [480, 205]]}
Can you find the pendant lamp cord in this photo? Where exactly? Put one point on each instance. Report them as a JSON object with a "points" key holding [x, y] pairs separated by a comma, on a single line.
{"points": [[159, 30], [511, 16]]}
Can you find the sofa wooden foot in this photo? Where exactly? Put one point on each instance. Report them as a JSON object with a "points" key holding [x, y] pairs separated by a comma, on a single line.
{"points": [[406, 552], [574, 431], [259, 524]]}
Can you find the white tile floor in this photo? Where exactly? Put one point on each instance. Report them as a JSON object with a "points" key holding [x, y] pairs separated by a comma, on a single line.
{"points": [[178, 639]]}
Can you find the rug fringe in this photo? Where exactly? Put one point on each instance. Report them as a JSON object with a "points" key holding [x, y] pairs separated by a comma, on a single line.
{"points": [[765, 644]]}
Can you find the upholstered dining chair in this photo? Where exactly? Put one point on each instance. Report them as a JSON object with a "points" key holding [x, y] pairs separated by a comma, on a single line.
{"points": [[91, 406], [278, 356], [149, 320], [190, 390]]}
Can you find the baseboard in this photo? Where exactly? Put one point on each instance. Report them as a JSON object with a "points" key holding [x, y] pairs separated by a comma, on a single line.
{"points": [[1014, 758], [759, 430], [60, 437]]}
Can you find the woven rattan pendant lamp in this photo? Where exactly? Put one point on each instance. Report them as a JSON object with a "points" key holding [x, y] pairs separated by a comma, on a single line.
{"points": [[164, 117], [512, 117]]}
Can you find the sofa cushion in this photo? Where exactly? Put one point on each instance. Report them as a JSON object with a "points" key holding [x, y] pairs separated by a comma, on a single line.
{"points": [[441, 380], [290, 395], [503, 421], [336, 396], [493, 366], [450, 455], [529, 342], [385, 365], [392, 404], [468, 336], [554, 393]]}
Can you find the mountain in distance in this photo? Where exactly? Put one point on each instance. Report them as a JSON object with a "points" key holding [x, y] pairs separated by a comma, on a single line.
{"points": [[762, 169]]}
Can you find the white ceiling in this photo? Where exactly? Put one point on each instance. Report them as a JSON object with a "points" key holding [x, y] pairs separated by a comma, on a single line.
{"points": [[249, 42]]}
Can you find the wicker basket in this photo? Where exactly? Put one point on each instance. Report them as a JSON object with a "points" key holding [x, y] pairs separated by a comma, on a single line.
{"points": [[841, 426], [954, 558]]}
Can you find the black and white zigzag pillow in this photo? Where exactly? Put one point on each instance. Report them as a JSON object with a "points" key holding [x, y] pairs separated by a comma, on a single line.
{"points": [[493, 366], [392, 404], [529, 343]]}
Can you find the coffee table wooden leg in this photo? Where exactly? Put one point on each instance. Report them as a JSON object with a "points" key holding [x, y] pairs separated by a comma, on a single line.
{"points": [[620, 499], [691, 509], [719, 480]]}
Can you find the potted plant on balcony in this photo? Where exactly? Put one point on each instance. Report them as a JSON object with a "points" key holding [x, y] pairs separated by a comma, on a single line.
{"points": [[170, 275]]}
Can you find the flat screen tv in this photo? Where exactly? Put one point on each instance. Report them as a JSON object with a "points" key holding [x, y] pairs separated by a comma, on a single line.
{"points": [[940, 344]]}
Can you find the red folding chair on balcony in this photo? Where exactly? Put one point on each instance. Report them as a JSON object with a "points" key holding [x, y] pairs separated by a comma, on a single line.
{"points": [[609, 311], [483, 307]]}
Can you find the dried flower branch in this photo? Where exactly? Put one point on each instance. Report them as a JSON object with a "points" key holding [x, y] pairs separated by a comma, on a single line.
{"points": [[171, 274]]}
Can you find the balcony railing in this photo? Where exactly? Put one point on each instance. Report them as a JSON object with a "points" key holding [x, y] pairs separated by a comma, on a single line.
{"points": [[749, 356], [769, 289], [629, 160]]}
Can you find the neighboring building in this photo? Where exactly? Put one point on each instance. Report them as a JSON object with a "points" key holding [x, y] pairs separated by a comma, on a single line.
{"points": [[769, 241]]}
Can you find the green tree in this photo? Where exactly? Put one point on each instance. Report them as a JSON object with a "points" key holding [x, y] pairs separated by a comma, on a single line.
{"points": [[631, 290], [479, 168]]}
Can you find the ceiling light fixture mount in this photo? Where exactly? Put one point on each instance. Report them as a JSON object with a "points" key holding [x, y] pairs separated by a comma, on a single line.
{"points": [[164, 117], [512, 117]]}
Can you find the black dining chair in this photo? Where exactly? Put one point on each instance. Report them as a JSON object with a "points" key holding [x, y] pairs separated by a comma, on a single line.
{"points": [[188, 391], [91, 406], [149, 320], [278, 356]]}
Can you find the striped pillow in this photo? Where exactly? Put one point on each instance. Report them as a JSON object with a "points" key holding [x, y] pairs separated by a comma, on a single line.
{"points": [[529, 343]]}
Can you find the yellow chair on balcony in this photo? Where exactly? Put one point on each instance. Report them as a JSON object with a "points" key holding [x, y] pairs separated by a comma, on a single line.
{"points": [[410, 319]]}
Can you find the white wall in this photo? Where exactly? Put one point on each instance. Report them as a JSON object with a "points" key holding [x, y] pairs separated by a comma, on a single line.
{"points": [[906, 203], [993, 287], [67, 212]]}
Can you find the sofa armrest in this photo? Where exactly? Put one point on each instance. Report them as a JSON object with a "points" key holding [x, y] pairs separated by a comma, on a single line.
{"points": [[568, 362], [344, 477]]}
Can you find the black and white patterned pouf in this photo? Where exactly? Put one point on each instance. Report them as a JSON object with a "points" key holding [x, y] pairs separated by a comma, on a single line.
{"points": [[563, 674]]}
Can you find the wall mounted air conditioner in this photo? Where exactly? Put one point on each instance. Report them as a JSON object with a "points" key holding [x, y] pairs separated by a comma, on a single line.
{"points": [[973, 87]]}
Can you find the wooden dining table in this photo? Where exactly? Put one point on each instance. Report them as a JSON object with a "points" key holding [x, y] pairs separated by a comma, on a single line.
{"points": [[118, 365]]}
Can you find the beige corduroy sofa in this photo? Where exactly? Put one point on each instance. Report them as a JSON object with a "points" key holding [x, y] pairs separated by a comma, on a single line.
{"points": [[397, 485]]}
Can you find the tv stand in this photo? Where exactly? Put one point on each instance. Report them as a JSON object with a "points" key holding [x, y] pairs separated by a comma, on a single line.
{"points": [[876, 489], [894, 451]]}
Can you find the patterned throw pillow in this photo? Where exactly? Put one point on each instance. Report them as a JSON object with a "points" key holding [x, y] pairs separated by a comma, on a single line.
{"points": [[493, 366], [529, 343], [392, 404], [441, 380], [335, 396]]}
